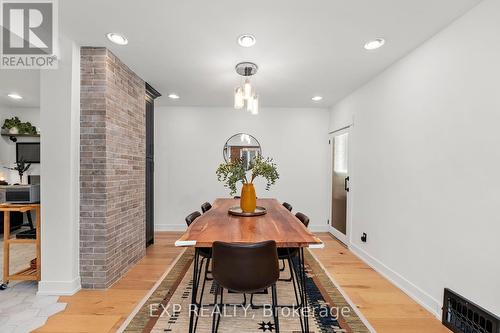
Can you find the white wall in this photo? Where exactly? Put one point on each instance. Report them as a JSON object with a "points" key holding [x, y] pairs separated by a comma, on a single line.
{"points": [[60, 162], [188, 150], [8, 148], [425, 163]]}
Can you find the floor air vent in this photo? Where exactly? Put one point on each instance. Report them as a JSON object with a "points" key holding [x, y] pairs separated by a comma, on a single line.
{"points": [[462, 316]]}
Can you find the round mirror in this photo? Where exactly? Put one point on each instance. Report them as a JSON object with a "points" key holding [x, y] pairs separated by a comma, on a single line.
{"points": [[242, 146]]}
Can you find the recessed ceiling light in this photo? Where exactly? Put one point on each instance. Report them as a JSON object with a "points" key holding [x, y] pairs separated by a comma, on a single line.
{"points": [[117, 38], [374, 44], [15, 96], [174, 96], [317, 98], [246, 40]]}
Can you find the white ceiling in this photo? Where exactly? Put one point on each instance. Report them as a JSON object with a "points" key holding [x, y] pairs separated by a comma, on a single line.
{"points": [[23, 82], [303, 48]]}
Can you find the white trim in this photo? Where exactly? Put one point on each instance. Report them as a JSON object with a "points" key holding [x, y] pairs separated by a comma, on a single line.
{"points": [[338, 235], [317, 246], [346, 239], [179, 243], [59, 288], [319, 228], [417, 294], [344, 294], [148, 295]]}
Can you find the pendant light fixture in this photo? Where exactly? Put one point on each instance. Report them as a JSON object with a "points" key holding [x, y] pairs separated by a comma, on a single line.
{"points": [[239, 101], [245, 95]]}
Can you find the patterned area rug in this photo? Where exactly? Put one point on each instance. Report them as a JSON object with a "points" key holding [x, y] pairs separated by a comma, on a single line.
{"points": [[167, 310]]}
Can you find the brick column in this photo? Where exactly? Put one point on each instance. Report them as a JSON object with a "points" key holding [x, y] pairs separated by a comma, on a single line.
{"points": [[112, 168]]}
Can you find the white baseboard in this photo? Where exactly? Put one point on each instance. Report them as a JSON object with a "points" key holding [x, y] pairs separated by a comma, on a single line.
{"points": [[417, 294], [59, 288], [318, 228]]}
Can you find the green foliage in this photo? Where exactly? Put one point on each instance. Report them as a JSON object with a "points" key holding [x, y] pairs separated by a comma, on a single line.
{"points": [[265, 168], [24, 128], [231, 173]]}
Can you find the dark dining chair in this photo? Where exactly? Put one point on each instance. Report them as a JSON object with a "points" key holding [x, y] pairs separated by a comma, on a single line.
{"points": [[205, 253], [205, 207], [303, 218], [287, 206], [191, 217], [244, 268]]}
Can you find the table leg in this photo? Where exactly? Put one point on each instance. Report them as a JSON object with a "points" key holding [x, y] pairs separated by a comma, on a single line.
{"points": [[194, 292], [304, 291], [299, 278], [6, 247], [300, 272]]}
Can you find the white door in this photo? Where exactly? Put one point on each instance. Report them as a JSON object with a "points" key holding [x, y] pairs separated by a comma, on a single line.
{"points": [[339, 184]]}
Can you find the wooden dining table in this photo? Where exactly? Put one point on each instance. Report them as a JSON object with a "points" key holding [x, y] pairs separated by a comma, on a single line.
{"points": [[277, 224]]}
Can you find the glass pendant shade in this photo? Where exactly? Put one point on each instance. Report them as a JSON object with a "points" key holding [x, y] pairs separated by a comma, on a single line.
{"points": [[249, 104], [255, 105], [239, 102], [245, 96], [247, 89]]}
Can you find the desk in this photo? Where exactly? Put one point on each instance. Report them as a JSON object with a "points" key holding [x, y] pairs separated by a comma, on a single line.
{"points": [[278, 224], [28, 273]]}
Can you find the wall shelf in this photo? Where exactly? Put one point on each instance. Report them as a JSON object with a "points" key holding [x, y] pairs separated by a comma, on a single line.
{"points": [[13, 137]]}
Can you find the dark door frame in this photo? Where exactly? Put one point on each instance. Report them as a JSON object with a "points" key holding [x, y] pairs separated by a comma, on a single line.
{"points": [[151, 95]]}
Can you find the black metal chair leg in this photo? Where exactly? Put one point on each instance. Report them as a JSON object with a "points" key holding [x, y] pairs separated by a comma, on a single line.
{"points": [[275, 310], [290, 278], [253, 306], [221, 308], [282, 268], [293, 282], [214, 319], [251, 303], [208, 272]]}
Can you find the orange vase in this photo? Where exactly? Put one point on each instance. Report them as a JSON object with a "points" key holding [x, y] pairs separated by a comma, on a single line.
{"points": [[248, 201]]}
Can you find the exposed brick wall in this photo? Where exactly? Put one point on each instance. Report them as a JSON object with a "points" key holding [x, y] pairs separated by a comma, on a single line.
{"points": [[112, 164]]}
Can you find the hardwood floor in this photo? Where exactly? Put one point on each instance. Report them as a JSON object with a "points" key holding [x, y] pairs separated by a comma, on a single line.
{"points": [[386, 307], [96, 311]]}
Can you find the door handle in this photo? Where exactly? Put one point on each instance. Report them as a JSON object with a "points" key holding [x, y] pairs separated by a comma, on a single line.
{"points": [[346, 187]]}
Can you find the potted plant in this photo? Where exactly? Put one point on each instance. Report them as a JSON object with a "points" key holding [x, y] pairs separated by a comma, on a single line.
{"points": [[233, 172], [21, 167], [16, 126]]}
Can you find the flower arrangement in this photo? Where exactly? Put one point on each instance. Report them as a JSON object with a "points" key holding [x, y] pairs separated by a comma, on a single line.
{"points": [[233, 172]]}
